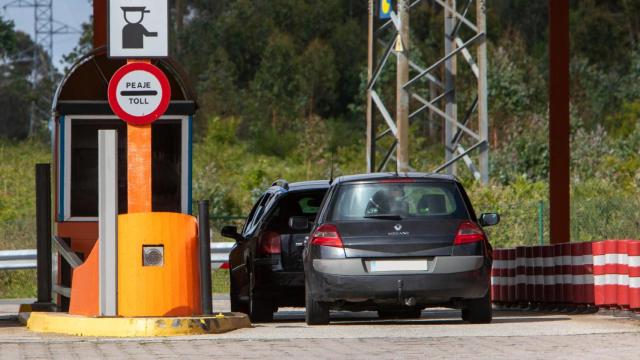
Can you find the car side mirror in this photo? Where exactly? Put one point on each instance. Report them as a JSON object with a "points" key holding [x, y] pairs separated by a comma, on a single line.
{"points": [[230, 231], [489, 219], [299, 223]]}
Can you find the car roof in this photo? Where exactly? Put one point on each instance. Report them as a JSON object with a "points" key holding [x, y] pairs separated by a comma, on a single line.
{"points": [[393, 175], [306, 185]]}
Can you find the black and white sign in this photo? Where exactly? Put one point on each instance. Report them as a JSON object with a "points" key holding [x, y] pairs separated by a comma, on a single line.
{"points": [[138, 28], [139, 93]]}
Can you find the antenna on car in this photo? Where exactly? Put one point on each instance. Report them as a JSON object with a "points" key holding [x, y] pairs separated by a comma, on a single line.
{"points": [[331, 170]]}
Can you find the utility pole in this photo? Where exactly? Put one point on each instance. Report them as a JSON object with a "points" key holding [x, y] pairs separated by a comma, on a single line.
{"points": [[402, 94], [450, 71], [440, 101], [483, 108], [371, 141]]}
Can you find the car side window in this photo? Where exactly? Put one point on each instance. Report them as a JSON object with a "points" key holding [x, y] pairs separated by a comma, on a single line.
{"points": [[259, 211], [325, 204], [251, 216]]}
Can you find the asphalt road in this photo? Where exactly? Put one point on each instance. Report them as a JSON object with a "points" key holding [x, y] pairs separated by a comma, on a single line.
{"points": [[439, 333]]}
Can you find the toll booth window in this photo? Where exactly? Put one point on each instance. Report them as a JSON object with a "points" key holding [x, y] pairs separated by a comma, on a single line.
{"points": [[166, 166], [84, 166]]}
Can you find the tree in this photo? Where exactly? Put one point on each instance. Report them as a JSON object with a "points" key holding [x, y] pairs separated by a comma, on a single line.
{"points": [[317, 77], [16, 90], [7, 38], [275, 83]]}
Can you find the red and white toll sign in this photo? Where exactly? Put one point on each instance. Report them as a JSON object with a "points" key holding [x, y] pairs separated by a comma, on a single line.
{"points": [[139, 93]]}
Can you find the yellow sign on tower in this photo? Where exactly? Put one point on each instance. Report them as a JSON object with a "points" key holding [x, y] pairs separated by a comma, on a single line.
{"points": [[385, 9]]}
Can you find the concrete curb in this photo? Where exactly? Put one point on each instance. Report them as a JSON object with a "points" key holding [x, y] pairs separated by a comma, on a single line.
{"points": [[62, 323]]}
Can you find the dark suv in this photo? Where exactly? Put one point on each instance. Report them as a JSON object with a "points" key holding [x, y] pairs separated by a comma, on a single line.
{"points": [[398, 243], [266, 262]]}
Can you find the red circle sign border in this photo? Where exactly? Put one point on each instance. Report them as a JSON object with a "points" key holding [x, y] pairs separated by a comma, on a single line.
{"points": [[152, 116]]}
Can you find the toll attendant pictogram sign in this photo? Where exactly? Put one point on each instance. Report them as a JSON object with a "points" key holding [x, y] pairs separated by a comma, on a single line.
{"points": [[139, 93]]}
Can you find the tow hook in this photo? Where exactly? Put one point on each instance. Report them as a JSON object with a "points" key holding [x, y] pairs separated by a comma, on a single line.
{"points": [[410, 301]]}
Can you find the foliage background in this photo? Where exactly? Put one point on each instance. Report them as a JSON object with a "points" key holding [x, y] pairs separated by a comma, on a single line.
{"points": [[281, 93]]}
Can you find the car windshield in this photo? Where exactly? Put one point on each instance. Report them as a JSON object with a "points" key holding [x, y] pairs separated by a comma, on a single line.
{"points": [[397, 200]]}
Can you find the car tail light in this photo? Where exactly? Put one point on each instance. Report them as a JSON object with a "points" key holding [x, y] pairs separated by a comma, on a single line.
{"points": [[270, 243], [327, 235], [468, 232]]}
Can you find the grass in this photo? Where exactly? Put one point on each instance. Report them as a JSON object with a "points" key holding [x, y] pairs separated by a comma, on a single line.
{"points": [[18, 284], [230, 174], [220, 281]]}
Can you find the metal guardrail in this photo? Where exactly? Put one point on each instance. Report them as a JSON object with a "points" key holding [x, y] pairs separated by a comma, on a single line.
{"points": [[18, 259], [26, 259]]}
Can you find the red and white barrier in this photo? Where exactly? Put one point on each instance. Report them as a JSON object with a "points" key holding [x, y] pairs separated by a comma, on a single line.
{"points": [[634, 274], [548, 273], [604, 273], [521, 275], [511, 275], [496, 279]]}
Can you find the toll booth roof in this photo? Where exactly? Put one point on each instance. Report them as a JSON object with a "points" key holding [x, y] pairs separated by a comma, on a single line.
{"points": [[83, 90]]}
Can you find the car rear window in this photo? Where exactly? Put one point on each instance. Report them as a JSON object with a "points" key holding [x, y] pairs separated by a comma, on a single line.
{"points": [[419, 200], [295, 204]]}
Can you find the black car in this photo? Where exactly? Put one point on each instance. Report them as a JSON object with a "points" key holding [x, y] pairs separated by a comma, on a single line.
{"points": [[266, 262], [398, 243]]}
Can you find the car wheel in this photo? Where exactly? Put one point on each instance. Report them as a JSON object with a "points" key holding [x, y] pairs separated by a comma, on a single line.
{"points": [[260, 310], [465, 314], [400, 314], [317, 312], [479, 311], [236, 304]]}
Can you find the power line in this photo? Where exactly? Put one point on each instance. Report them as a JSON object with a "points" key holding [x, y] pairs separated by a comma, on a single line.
{"points": [[45, 29]]}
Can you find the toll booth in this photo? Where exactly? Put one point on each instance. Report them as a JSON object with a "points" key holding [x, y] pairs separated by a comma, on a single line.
{"points": [[80, 110]]}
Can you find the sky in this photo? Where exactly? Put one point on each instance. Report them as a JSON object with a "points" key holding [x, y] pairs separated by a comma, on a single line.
{"points": [[69, 12]]}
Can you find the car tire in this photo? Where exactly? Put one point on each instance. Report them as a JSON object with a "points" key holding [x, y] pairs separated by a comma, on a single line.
{"points": [[317, 312], [260, 309], [479, 311], [237, 305], [400, 314], [465, 314]]}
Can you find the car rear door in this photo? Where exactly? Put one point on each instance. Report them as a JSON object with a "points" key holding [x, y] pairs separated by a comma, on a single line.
{"points": [[292, 241]]}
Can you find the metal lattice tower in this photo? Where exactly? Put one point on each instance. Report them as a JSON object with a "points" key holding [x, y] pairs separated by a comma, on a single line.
{"points": [[45, 28], [439, 79]]}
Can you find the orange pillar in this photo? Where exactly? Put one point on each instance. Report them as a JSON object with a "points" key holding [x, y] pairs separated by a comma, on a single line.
{"points": [[139, 168]]}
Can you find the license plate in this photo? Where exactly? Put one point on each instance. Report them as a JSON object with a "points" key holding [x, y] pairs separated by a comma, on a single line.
{"points": [[397, 265]]}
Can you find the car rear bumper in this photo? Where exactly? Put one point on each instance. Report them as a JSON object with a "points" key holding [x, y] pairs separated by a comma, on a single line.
{"points": [[447, 279], [284, 288], [279, 279]]}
